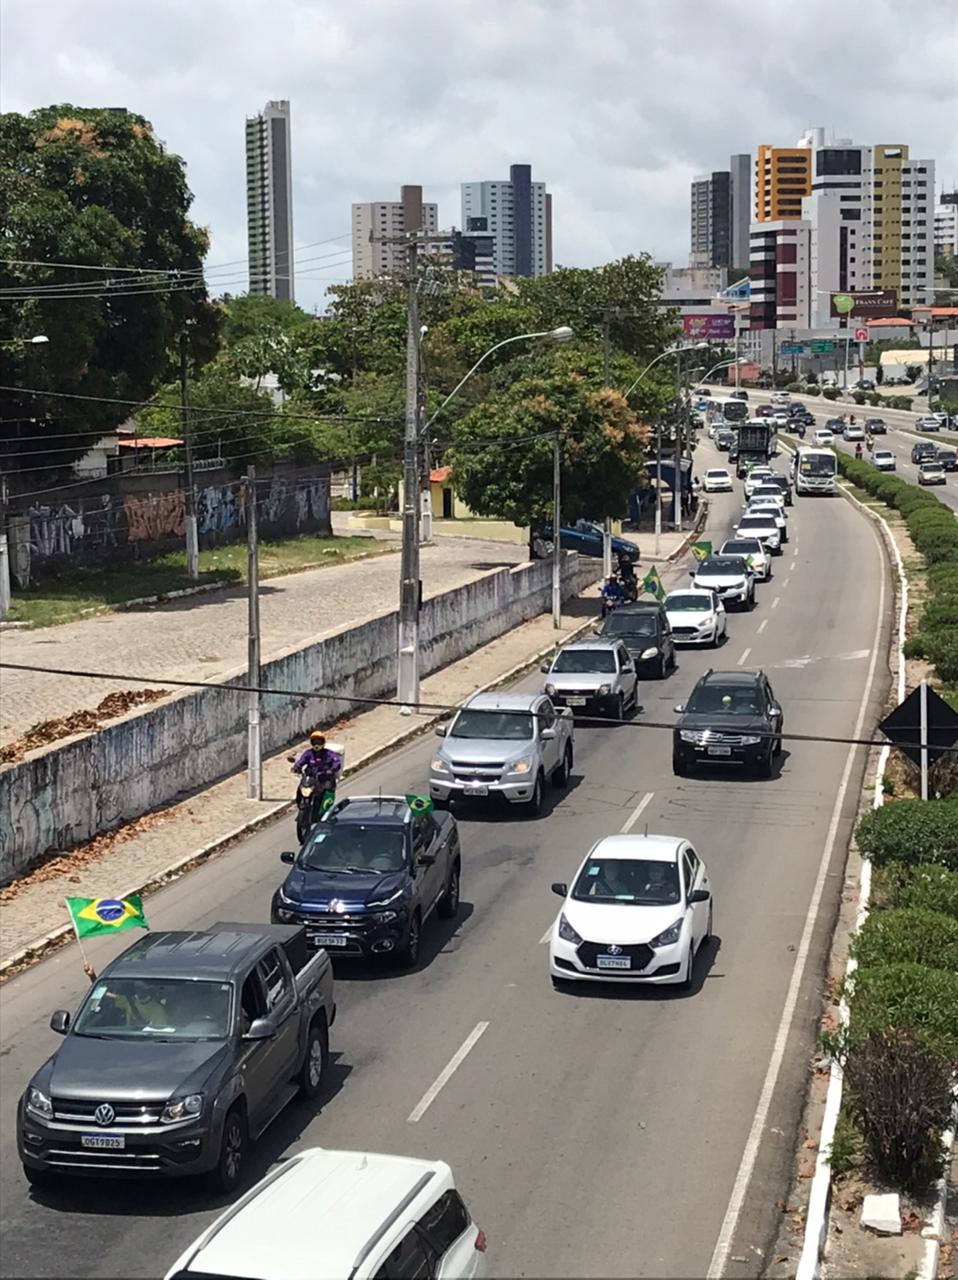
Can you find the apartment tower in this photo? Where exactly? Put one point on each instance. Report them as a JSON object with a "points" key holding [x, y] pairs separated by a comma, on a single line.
{"points": [[517, 214], [269, 202], [376, 222]]}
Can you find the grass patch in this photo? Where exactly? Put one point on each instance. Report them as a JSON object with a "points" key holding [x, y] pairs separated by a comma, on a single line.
{"points": [[78, 593]]}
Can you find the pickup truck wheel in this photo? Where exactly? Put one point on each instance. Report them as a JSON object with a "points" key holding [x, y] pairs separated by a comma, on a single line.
{"points": [[563, 773], [408, 955], [534, 806], [313, 1070], [233, 1147], [448, 906]]}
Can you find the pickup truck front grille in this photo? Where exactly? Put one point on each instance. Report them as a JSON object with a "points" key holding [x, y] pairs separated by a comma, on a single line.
{"points": [[83, 1112], [487, 769]]}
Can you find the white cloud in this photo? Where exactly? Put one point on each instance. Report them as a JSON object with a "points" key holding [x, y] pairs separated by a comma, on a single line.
{"points": [[615, 103]]}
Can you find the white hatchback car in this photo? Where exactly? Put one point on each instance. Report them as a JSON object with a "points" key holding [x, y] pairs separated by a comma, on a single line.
{"points": [[717, 480], [342, 1213], [757, 475], [696, 616], [639, 909], [822, 436], [884, 460]]}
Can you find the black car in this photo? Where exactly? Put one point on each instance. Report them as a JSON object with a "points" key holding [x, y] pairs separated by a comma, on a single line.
{"points": [[740, 394], [782, 481], [876, 426], [732, 717], [369, 876], [644, 630], [724, 439], [836, 426], [796, 410], [924, 451], [947, 456]]}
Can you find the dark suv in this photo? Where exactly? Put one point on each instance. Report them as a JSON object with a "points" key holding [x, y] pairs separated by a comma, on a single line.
{"points": [[369, 876], [924, 451], [644, 630], [732, 717]]}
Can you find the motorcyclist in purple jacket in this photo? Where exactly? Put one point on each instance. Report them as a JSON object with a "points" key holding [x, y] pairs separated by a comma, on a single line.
{"points": [[318, 761]]}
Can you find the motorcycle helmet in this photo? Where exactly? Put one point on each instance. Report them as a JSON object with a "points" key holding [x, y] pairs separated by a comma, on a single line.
{"points": [[317, 740]]}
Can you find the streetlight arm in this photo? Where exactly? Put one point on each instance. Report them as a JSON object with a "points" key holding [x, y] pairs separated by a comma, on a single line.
{"points": [[517, 337]]}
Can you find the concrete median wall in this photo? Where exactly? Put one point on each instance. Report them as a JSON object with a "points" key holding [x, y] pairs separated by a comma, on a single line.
{"points": [[65, 795]]}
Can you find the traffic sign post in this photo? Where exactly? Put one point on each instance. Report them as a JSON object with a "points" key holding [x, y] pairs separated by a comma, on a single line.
{"points": [[924, 728], [861, 335], [823, 347]]}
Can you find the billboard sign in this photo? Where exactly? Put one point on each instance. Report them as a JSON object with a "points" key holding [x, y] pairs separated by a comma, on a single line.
{"points": [[824, 347], [792, 348], [864, 304], [709, 326]]}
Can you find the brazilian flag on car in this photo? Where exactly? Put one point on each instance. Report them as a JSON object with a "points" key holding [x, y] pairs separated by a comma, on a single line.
{"points": [[701, 550], [328, 800], [653, 584], [419, 804], [91, 916]]}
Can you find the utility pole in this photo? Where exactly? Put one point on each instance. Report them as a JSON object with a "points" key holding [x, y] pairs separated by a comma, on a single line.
{"points": [[192, 541], [658, 486], [5, 592], [677, 479], [254, 749], [410, 588], [606, 382], [774, 359], [556, 534], [425, 492]]}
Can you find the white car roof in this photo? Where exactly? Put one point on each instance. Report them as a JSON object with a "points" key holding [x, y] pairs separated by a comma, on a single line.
{"points": [[651, 848], [317, 1213], [717, 471]]}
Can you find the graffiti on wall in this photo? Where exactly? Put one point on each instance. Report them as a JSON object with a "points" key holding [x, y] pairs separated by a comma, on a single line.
{"points": [[152, 518], [218, 509], [54, 529]]}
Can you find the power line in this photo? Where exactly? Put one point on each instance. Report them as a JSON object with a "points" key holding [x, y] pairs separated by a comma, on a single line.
{"points": [[442, 708]]}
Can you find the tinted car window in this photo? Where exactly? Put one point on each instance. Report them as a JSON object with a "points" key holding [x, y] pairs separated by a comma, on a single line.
{"points": [[728, 699], [630, 624], [513, 726], [445, 1221], [627, 880], [585, 660], [412, 1258], [354, 846], [721, 566]]}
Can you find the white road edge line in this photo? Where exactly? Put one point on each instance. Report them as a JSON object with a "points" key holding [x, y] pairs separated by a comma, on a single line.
{"points": [[446, 1074], [546, 936], [750, 1154], [775, 602], [761, 626], [744, 658]]}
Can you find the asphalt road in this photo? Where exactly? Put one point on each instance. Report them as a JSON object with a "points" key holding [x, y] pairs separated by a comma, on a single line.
{"points": [[607, 1133]]}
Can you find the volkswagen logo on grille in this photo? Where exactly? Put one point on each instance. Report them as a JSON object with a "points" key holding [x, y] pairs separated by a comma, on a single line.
{"points": [[615, 950], [104, 1114]]}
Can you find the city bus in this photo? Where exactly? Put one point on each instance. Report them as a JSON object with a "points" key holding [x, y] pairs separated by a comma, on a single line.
{"points": [[815, 471], [726, 412]]}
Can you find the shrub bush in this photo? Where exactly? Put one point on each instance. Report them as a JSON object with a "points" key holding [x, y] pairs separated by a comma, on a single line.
{"points": [[874, 398], [898, 1092], [911, 831], [912, 997], [941, 648], [795, 387], [858, 397], [908, 935], [927, 888], [830, 393], [813, 390]]}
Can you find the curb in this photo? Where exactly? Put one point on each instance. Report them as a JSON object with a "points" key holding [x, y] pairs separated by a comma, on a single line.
{"points": [[39, 947]]}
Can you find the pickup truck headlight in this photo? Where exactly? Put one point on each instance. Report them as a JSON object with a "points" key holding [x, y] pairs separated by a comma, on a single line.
{"points": [[751, 741], [604, 690], [439, 765], [179, 1109], [566, 931], [650, 652], [39, 1104], [385, 917], [551, 690], [520, 766], [668, 937], [695, 736]]}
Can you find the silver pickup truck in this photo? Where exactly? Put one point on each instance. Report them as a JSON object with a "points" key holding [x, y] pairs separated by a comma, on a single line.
{"points": [[503, 744]]}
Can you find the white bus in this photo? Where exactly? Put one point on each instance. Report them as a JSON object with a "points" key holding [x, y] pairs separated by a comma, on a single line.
{"points": [[815, 471], [726, 411]]}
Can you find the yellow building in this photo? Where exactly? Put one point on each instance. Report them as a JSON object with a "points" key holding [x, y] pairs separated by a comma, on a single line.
{"points": [[782, 176]]}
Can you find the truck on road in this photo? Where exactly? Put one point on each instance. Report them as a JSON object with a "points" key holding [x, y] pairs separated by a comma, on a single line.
{"points": [[757, 444], [186, 1047]]}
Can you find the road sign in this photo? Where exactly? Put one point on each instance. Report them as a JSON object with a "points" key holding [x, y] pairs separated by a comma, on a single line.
{"points": [[792, 348], [823, 347], [922, 709], [861, 335]]}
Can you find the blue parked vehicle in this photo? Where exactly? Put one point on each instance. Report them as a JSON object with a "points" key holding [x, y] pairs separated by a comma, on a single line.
{"points": [[585, 536]]}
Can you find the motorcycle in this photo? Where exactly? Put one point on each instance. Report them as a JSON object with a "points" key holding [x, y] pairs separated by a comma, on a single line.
{"points": [[315, 793]]}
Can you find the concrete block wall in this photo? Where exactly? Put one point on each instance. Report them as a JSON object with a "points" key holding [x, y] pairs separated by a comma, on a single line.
{"points": [[65, 795]]}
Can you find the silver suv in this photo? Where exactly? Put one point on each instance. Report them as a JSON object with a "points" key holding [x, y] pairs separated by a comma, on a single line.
{"points": [[593, 675]]}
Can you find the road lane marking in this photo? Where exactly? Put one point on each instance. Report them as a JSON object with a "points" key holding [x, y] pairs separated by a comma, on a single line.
{"points": [[762, 625], [792, 565], [743, 658], [786, 582], [746, 1168], [447, 1073], [637, 813], [547, 935], [775, 602]]}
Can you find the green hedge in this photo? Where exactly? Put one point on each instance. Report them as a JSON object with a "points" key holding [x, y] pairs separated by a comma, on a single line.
{"points": [[910, 935], [912, 996], [925, 888], [812, 390], [913, 832], [830, 393]]}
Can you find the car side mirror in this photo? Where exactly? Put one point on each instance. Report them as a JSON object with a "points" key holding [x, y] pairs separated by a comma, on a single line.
{"points": [[261, 1029], [441, 730], [287, 856], [426, 859], [560, 888], [692, 573], [60, 1021], [545, 667], [679, 708], [546, 735], [699, 895]]}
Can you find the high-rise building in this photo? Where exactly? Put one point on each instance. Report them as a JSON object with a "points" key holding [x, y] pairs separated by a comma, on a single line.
{"points": [[517, 214], [720, 215], [740, 170], [471, 253], [783, 176], [781, 286], [269, 202], [376, 222], [946, 226]]}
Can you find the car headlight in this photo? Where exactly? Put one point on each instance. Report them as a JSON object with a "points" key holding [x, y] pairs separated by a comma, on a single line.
{"points": [[551, 690], [439, 765], [185, 1108], [668, 937], [39, 1104], [566, 931], [282, 915], [385, 917], [521, 766], [604, 690], [695, 736], [650, 652], [751, 741], [385, 902]]}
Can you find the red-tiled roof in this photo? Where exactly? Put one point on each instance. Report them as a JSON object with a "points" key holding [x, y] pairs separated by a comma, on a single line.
{"points": [[149, 442], [888, 322], [439, 475]]}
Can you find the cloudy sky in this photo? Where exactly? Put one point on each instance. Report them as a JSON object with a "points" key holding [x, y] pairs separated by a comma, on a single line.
{"points": [[615, 103]]}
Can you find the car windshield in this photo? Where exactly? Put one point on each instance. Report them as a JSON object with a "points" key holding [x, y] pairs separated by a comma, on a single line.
{"points": [[721, 567], [337, 845], [155, 1009], [633, 881], [629, 624], [717, 475], [743, 547], [584, 660], [883, 454], [690, 602], [768, 490], [514, 726], [756, 521], [736, 700]]}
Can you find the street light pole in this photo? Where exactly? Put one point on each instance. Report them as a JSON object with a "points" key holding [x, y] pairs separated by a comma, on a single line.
{"points": [[192, 540], [606, 382], [677, 478], [410, 587], [556, 534], [254, 749]]}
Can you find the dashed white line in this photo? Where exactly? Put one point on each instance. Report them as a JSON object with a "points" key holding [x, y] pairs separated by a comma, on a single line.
{"points": [[792, 565], [546, 936], [786, 582], [742, 660], [775, 602], [446, 1074], [637, 812], [761, 626]]}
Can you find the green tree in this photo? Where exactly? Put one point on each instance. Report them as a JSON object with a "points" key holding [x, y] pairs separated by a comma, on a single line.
{"points": [[94, 188]]}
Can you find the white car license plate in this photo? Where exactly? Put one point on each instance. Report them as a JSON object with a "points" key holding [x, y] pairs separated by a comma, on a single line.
{"points": [[575, 700], [476, 789], [328, 940], [613, 962], [720, 751], [103, 1142]]}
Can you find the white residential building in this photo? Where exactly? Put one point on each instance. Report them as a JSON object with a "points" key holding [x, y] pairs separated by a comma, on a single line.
{"points": [[946, 227], [376, 222], [269, 202], [517, 214]]}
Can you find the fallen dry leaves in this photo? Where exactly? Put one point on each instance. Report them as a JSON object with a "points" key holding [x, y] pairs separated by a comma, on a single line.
{"points": [[47, 731]]}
